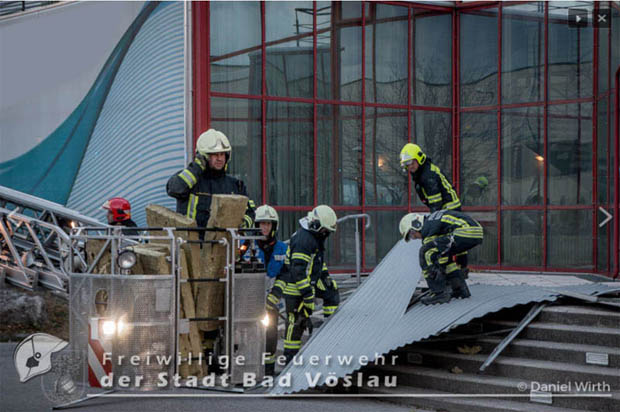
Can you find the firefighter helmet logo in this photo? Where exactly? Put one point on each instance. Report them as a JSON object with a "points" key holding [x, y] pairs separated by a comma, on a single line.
{"points": [[33, 355], [219, 144]]}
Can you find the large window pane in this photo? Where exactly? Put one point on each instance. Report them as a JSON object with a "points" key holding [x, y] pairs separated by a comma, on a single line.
{"points": [[433, 60], [350, 9], [570, 239], [522, 156], [569, 165], [615, 41], [486, 253], [603, 55], [386, 55], [341, 245], [522, 240], [339, 54], [479, 58], [383, 235], [235, 48], [289, 65], [290, 153], [523, 53], [612, 149], [603, 246], [602, 150], [386, 134], [570, 53], [289, 223], [433, 133], [478, 157], [240, 121], [339, 153]]}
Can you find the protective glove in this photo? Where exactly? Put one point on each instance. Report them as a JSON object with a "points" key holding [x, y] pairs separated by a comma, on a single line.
{"points": [[201, 161], [272, 302], [306, 309]]}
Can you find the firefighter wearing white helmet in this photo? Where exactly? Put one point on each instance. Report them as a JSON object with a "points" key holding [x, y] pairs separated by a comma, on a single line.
{"points": [[445, 234], [307, 276], [206, 176], [271, 252]]}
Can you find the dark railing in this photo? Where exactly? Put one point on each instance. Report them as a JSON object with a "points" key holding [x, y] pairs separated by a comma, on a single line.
{"points": [[10, 7]]}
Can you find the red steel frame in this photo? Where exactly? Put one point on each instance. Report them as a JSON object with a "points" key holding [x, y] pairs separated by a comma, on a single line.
{"points": [[616, 242], [203, 94]]}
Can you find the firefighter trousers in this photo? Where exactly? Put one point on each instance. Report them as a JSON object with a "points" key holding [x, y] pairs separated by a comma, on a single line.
{"points": [[296, 323], [271, 336]]}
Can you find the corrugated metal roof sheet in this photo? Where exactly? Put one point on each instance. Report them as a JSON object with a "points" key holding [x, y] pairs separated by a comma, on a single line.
{"points": [[374, 321], [366, 317]]}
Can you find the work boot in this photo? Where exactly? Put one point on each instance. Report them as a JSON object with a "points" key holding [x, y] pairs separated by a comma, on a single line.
{"points": [[458, 285], [434, 298], [440, 291]]}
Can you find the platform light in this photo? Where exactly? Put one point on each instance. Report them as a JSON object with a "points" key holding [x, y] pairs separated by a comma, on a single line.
{"points": [[126, 260], [265, 320], [108, 328]]}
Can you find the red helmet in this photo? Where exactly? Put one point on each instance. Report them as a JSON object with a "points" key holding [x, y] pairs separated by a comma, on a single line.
{"points": [[120, 208]]}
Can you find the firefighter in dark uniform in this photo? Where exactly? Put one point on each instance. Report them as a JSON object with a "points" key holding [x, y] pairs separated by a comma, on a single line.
{"points": [[307, 276], [206, 176], [444, 233], [119, 214], [432, 187], [272, 252]]}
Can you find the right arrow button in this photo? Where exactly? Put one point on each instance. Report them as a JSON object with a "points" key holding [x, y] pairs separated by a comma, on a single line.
{"points": [[608, 217]]}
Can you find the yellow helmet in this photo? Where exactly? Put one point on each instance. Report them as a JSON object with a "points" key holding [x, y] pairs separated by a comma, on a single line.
{"points": [[410, 221], [322, 217], [411, 152], [212, 141]]}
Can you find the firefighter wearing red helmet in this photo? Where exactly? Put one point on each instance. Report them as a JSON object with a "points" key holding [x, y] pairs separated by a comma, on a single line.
{"points": [[119, 214]]}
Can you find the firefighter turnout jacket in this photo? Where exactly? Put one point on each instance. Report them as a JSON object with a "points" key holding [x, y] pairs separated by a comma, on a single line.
{"points": [[299, 264], [434, 189], [447, 233], [194, 186]]}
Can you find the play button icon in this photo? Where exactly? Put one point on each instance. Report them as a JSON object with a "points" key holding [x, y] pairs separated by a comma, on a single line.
{"points": [[577, 18]]}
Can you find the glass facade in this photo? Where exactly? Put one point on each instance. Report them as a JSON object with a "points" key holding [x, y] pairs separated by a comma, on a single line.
{"points": [[318, 98]]}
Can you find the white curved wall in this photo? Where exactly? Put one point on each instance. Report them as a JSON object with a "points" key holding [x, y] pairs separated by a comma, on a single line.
{"points": [[138, 141], [48, 62]]}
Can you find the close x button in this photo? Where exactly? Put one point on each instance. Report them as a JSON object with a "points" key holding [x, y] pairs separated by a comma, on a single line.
{"points": [[602, 18]]}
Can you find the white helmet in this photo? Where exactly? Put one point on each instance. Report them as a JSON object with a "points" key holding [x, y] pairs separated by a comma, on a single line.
{"points": [[322, 217], [212, 141], [266, 213], [410, 221]]}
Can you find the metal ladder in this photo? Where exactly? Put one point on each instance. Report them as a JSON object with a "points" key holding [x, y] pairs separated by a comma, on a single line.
{"points": [[34, 241]]}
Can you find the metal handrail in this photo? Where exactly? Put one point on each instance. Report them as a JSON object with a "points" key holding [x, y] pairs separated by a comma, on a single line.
{"points": [[358, 246], [11, 7]]}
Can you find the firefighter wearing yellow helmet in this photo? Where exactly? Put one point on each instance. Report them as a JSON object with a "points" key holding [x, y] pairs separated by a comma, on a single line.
{"points": [[205, 176], [444, 234], [433, 188], [307, 276]]}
